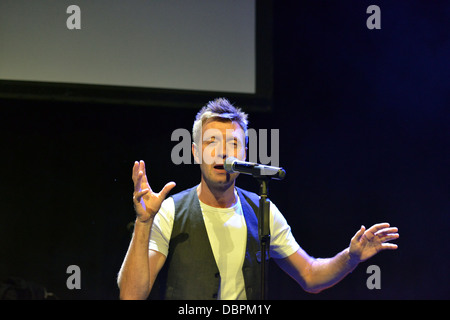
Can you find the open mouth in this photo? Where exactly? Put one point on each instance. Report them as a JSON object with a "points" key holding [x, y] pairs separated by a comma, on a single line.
{"points": [[219, 167]]}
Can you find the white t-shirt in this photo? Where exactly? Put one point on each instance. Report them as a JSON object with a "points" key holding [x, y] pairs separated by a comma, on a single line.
{"points": [[227, 233]]}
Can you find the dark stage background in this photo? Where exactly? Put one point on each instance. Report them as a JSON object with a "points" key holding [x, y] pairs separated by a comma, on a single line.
{"points": [[364, 138]]}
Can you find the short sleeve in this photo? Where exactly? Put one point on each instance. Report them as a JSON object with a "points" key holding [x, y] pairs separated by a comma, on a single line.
{"points": [[282, 242], [162, 227]]}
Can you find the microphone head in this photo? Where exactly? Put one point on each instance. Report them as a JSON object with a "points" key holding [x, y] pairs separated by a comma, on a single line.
{"points": [[228, 165], [281, 174]]}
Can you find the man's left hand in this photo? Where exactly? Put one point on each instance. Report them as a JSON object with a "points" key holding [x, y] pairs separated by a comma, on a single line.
{"points": [[366, 243]]}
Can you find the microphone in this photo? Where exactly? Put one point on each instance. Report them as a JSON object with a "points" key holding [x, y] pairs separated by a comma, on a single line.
{"points": [[259, 170]]}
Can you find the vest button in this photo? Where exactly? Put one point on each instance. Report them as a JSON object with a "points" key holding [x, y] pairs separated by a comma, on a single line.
{"points": [[217, 275], [214, 296]]}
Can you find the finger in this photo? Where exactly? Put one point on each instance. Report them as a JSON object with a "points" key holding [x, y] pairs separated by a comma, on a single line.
{"points": [[135, 171], [388, 246], [359, 234], [386, 231], [389, 237], [142, 166], [138, 195], [165, 191], [373, 229], [138, 182], [144, 180]]}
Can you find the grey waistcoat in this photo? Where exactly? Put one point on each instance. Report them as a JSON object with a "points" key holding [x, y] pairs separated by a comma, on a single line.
{"points": [[190, 271]]}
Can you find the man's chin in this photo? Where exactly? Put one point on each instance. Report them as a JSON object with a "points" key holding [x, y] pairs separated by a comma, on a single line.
{"points": [[220, 183]]}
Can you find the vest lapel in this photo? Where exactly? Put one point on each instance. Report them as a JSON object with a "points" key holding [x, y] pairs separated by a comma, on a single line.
{"points": [[251, 268]]}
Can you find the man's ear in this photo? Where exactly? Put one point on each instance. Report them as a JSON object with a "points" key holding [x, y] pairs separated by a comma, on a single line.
{"points": [[196, 153]]}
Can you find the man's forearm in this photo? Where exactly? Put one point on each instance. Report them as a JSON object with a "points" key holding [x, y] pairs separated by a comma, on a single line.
{"points": [[134, 275], [325, 273]]}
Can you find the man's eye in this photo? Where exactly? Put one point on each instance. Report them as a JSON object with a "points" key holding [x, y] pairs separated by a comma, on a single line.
{"points": [[233, 144]]}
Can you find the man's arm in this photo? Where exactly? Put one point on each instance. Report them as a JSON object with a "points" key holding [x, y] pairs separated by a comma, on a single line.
{"points": [[315, 275], [141, 265]]}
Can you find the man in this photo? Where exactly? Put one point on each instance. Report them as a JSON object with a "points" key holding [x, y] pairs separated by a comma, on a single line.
{"points": [[202, 243]]}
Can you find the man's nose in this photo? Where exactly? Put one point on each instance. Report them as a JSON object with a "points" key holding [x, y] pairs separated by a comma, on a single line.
{"points": [[222, 151]]}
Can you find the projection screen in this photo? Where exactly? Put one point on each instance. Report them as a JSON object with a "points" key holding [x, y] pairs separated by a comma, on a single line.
{"points": [[154, 52]]}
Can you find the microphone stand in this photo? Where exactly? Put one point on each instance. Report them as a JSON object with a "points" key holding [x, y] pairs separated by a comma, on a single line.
{"points": [[264, 230], [263, 176]]}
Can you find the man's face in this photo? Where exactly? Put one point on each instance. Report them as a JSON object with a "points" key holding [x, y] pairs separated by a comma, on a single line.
{"points": [[220, 139]]}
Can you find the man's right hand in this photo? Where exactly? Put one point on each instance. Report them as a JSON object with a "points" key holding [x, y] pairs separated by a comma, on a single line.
{"points": [[146, 202]]}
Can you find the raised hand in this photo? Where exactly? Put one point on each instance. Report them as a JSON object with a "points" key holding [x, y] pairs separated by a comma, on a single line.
{"points": [[367, 243], [146, 202]]}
